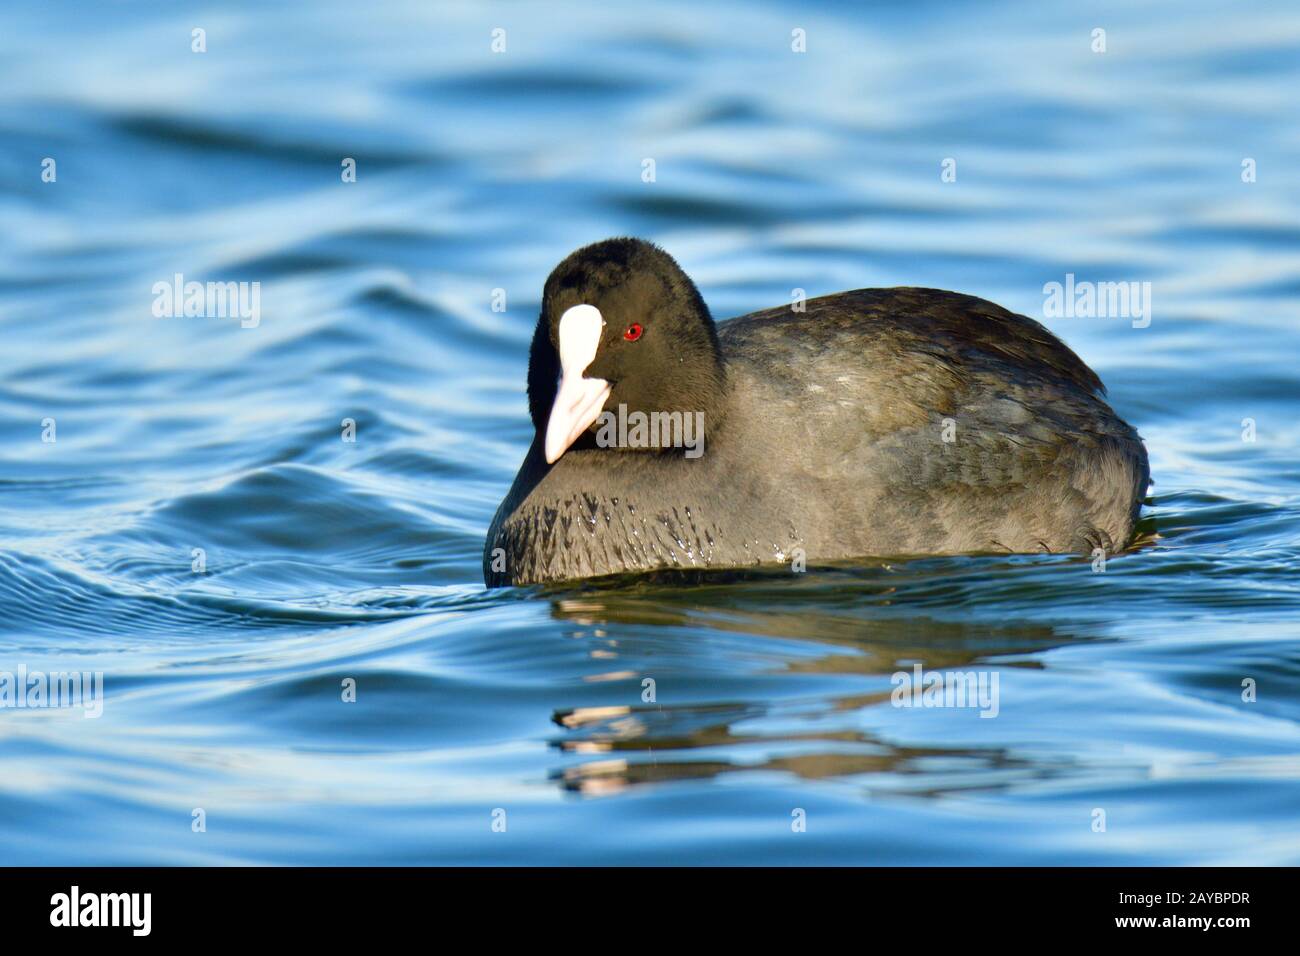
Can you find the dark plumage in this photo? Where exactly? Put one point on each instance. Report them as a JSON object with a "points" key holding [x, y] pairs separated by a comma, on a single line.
{"points": [[876, 422]]}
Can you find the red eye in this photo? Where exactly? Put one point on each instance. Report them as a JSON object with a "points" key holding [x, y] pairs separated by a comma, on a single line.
{"points": [[633, 332]]}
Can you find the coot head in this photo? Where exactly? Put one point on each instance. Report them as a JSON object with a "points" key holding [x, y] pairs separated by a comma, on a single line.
{"points": [[621, 325]]}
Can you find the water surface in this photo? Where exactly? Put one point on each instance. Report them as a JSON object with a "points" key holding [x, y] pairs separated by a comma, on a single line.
{"points": [[328, 560]]}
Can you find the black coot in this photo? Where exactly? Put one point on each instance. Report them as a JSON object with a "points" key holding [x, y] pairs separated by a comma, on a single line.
{"points": [[875, 422]]}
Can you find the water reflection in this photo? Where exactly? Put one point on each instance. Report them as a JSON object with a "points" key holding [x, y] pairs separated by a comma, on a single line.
{"points": [[816, 736]]}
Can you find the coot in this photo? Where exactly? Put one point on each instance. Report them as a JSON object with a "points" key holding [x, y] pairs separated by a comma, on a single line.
{"points": [[878, 422]]}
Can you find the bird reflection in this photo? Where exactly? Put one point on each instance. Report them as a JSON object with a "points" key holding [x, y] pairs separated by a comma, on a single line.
{"points": [[836, 624]]}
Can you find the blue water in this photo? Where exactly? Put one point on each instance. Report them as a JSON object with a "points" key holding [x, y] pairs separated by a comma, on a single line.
{"points": [[1120, 691]]}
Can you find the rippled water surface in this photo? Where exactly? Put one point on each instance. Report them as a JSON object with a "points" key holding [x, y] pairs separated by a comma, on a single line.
{"points": [[1120, 691]]}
